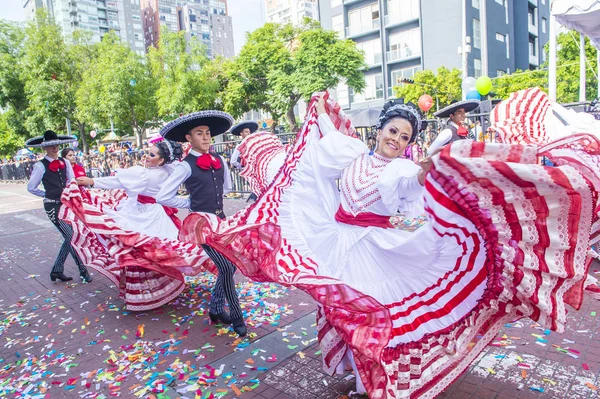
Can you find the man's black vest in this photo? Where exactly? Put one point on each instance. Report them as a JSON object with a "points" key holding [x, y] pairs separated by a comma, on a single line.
{"points": [[54, 182], [455, 135], [205, 187]]}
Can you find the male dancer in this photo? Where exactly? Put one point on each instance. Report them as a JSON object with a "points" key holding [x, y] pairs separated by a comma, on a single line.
{"points": [[457, 112], [242, 129], [54, 173], [206, 178]]}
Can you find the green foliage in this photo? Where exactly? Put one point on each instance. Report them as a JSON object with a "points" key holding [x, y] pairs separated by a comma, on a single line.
{"points": [[124, 93], [281, 64], [10, 141], [186, 83], [444, 87], [567, 72]]}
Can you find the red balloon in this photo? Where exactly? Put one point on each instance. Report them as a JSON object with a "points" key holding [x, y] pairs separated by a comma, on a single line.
{"points": [[425, 102]]}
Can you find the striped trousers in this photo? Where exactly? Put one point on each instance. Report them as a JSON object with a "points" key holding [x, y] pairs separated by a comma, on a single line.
{"points": [[66, 231], [225, 286]]}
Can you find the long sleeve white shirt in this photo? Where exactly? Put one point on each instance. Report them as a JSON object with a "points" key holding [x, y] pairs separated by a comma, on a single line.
{"points": [[37, 174], [441, 140], [168, 193]]}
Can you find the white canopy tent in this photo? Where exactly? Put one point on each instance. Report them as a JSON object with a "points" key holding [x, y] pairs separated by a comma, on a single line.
{"points": [[584, 17]]}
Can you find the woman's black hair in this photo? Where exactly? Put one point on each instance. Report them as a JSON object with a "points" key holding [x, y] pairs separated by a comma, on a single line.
{"points": [[65, 151], [397, 109], [169, 150]]}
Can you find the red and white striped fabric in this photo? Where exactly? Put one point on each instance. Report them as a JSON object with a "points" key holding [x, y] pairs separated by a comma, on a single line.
{"points": [[256, 153], [523, 232], [149, 272], [525, 118]]}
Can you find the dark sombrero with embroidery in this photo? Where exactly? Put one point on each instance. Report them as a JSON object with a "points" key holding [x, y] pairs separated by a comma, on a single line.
{"points": [[50, 138], [467, 105], [217, 121], [236, 130]]}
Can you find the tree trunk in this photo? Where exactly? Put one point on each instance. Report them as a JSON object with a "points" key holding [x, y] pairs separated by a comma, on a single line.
{"points": [[86, 147], [291, 118], [139, 130], [139, 133]]}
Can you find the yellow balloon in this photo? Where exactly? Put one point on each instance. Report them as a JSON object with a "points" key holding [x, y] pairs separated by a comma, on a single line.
{"points": [[102, 149]]}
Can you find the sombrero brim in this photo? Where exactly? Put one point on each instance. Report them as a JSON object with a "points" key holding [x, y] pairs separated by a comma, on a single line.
{"points": [[468, 105], [217, 121], [38, 142], [237, 129]]}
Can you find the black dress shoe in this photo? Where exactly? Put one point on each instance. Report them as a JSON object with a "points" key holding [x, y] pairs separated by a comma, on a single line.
{"points": [[59, 275], [239, 326], [222, 317], [85, 276]]}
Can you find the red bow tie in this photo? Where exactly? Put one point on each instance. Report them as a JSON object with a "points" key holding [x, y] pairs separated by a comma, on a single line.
{"points": [[206, 161], [56, 165], [462, 132]]}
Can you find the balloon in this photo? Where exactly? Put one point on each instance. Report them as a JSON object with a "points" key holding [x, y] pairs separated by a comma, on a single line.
{"points": [[468, 84], [102, 149], [425, 102], [483, 85], [93, 133], [473, 95]]}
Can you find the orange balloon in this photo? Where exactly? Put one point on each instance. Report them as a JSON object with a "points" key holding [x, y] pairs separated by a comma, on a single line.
{"points": [[425, 102]]}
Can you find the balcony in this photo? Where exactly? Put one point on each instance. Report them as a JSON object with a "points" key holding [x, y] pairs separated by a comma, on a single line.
{"points": [[360, 98], [534, 60], [351, 1], [402, 54], [360, 29], [394, 19], [533, 29]]}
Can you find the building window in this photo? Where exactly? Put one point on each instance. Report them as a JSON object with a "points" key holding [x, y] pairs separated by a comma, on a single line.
{"points": [[373, 89], [398, 74], [532, 46], [363, 19], [500, 72], [476, 33], [500, 37], [476, 67], [404, 44], [337, 25], [402, 10], [342, 95], [544, 22], [372, 50], [507, 47], [475, 4]]}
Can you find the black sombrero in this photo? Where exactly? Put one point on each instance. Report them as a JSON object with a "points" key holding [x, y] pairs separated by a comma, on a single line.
{"points": [[217, 121], [50, 138], [236, 130], [467, 105]]}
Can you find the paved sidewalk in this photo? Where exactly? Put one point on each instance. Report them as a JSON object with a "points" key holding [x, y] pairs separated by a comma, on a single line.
{"points": [[60, 340]]}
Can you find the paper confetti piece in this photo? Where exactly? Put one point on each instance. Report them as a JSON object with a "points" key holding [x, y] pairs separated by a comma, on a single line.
{"points": [[523, 374], [591, 386], [585, 366], [235, 389]]}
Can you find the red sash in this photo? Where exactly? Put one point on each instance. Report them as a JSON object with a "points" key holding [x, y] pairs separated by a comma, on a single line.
{"points": [[364, 219], [171, 212]]}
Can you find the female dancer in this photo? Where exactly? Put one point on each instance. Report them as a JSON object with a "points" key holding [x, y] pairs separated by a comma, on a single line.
{"points": [[69, 154], [130, 238], [506, 238]]}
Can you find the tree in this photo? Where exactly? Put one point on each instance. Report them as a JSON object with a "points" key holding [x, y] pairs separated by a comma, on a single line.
{"points": [[9, 140], [567, 72], [185, 81], [444, 87], [13, 99], [124, 93], [281, 64], [52, 72]]}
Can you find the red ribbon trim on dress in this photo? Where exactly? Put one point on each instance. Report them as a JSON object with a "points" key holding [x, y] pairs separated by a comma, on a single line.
{"points": [[171, 212], [363, 219]]}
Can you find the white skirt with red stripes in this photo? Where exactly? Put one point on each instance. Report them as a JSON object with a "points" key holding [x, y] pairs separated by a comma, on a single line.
{"points": [[148, 271], [506, 238]]}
